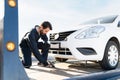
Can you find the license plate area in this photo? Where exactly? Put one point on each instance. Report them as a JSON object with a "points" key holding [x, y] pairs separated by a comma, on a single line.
{"points": [[55, 45]]}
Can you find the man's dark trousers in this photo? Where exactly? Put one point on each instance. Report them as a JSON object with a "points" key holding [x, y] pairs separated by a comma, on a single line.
{"points": [[26, 50]]}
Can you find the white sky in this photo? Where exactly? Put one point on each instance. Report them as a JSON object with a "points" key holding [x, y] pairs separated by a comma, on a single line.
{"points": [[1, 9], [63, 14]]}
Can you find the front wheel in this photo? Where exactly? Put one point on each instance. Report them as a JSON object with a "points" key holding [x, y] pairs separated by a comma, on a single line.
{"points": [[111, 56], [61, 59]]}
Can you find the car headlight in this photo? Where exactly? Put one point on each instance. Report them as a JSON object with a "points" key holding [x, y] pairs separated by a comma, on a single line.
{"points": [[92, 32], [56, 36]]}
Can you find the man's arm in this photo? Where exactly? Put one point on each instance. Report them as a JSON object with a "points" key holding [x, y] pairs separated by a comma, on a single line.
{"points": [[34, 47], [44, 38], [33, 43]]}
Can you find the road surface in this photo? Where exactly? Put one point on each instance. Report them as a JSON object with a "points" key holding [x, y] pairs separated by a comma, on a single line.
{"points": [[63, 70]]}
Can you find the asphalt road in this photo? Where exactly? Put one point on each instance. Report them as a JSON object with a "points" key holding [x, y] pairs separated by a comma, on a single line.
{"points": [[63, 70]]}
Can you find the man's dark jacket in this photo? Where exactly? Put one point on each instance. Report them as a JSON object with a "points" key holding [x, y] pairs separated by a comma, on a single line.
{"points": [[32, 40]]}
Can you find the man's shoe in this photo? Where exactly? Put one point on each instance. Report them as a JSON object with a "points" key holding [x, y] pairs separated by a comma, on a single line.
{"points": [[25, 66], [40, 64]]}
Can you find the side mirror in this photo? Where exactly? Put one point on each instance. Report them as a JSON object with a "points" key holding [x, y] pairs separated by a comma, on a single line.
{"points": [[118, 24]]}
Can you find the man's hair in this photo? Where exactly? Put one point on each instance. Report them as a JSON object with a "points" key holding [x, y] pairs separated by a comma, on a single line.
{"points": [[46, 24]]}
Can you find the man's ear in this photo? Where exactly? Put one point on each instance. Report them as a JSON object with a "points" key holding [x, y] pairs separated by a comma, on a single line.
{"points": [[41, 27]]}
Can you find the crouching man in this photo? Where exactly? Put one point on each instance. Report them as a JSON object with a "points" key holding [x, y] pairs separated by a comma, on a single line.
{"points": [[31, 45]]}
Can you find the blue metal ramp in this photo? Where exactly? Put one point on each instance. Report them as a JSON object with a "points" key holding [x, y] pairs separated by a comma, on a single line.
{"points": [[10, 65]]}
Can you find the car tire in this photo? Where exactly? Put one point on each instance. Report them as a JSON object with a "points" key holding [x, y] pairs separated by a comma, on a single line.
{"points": [[61, 59], [111, 56]]}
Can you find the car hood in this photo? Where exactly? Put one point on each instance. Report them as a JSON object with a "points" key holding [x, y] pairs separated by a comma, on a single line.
{"points": [[81, 27]]}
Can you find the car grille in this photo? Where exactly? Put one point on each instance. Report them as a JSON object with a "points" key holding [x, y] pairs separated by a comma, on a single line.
{"points": [[62, 51], [62, 35]]}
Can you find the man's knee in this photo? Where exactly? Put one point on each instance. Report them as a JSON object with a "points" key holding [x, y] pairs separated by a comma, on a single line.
{"points": [[48, 45], [42, 45]]}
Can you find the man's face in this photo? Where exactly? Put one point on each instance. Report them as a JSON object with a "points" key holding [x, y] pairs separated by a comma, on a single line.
{"points": [[44, 31]]}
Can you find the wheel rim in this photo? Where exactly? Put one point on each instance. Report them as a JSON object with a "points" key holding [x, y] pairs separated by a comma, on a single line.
{"points": [[113, 55]]}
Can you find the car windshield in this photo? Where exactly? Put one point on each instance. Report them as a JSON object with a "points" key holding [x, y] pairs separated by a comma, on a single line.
{"points": [[102, 20]]}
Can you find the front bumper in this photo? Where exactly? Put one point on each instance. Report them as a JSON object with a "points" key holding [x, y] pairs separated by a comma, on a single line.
{"points": [[59, 48], [86, 49]]}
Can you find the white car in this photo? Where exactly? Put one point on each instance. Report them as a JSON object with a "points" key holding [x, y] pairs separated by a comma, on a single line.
{"points": [[98, 40]]}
